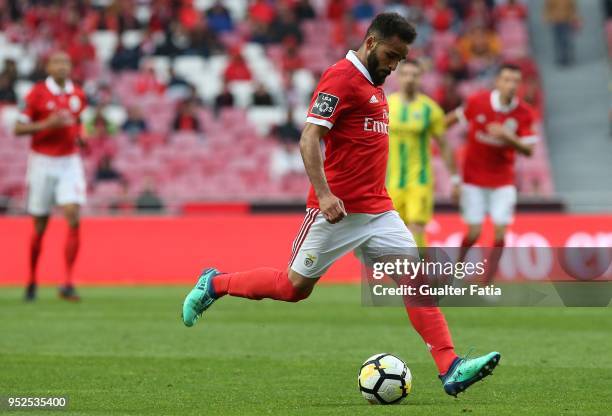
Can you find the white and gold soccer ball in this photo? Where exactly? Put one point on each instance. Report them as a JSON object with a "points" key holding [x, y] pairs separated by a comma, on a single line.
{"points": [[384, 379]]}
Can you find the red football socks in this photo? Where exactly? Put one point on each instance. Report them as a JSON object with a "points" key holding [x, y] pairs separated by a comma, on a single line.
{"points": [[261, 283], [35, 247], [429, 322], [71, 250]]}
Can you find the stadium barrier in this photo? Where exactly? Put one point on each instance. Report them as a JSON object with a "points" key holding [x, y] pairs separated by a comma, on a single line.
{"points": [[172, 250]]}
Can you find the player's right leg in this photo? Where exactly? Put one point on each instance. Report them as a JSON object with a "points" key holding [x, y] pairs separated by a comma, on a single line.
{"points": [[40, 226]]}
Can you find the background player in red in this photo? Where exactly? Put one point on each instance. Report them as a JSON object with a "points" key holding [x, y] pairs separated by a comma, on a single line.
{"points": [[55, 171], [348, 207], [499, 126]]}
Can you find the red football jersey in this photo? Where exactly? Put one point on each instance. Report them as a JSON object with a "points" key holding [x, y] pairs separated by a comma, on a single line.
{"points": [[46, 98], [357, 144], [488, 161]]}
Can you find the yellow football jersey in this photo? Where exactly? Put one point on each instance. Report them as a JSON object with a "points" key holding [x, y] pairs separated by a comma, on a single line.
{"points": [[411, 126]]}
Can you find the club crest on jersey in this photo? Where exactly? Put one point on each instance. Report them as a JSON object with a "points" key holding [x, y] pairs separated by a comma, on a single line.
{"points": [[309, 260], [324, 105], [74, 103], [511, 124]]}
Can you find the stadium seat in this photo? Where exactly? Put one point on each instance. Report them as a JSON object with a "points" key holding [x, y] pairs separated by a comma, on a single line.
{"points": [[105, 43], [264, 118]]}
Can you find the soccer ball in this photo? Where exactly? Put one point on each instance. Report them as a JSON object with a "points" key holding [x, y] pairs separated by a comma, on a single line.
{"points": [[384, 379]]}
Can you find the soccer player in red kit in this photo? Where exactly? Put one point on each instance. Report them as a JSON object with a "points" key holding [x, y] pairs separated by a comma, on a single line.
{"points": [[55, 171], [499, 126], [348, 207]]}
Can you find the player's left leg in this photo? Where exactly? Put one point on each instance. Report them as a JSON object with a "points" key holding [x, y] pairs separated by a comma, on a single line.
{"points": [[71, 249], [391, 239], [70, 196], [502, 203], [473, 204], [317, 245]]}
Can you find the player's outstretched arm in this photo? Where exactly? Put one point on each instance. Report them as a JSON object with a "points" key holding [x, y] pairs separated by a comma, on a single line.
{"points": [[331, 206]]}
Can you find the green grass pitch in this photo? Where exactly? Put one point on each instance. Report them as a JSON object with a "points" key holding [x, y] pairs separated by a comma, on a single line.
{"points": [[124, 351]]}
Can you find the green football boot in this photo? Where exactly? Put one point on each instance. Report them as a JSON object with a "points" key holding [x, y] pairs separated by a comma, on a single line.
{"points": [[200, 298], [464, 372]]}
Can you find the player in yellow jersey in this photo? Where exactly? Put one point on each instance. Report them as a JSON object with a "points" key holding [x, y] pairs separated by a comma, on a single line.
{"points": [[414, 119]]}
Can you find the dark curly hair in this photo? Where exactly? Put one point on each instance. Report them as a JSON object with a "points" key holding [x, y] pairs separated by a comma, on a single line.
{"points": [[387, 25]]}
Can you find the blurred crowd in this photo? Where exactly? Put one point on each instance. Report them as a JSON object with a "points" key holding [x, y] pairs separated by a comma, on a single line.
{"points": [[125, 54]]}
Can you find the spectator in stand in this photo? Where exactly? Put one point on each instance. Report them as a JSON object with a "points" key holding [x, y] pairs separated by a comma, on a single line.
{"points": [[7, 90], [149, 200], [83, 54], [161, 16], [345, 32], [147, 82], [219, 18], [237, 69], [135, 123], [125, 58], [193, 96], [188, 15], [39, 72], [420, 21], [480, 48], [336, 10], [224, 99], [363, 10], [127, 17], [259, 33], [441, 16], [186, 119], [202, 41], [479, 14], [286, 27], [304, 11], [177, 87], [10, 70], [262, 11], [511, 9], [447, 94], [562, 16], [106, 172], [100, 140], [288, 131], [102, 96], [174, 42], [261, 96], [292, 61], [452, 62]]}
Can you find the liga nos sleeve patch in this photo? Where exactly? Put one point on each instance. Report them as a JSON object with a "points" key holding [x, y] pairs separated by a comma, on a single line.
{"points": [[324, 105]]}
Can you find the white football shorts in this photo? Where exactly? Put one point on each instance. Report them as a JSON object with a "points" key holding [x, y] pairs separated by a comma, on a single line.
{"points": [[54, 180], [478, 201], [319, 244]]}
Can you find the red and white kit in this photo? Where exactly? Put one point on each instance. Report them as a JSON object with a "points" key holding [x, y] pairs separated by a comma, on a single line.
{"points": [[55, 171], [488, 170], [356, 149]]}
